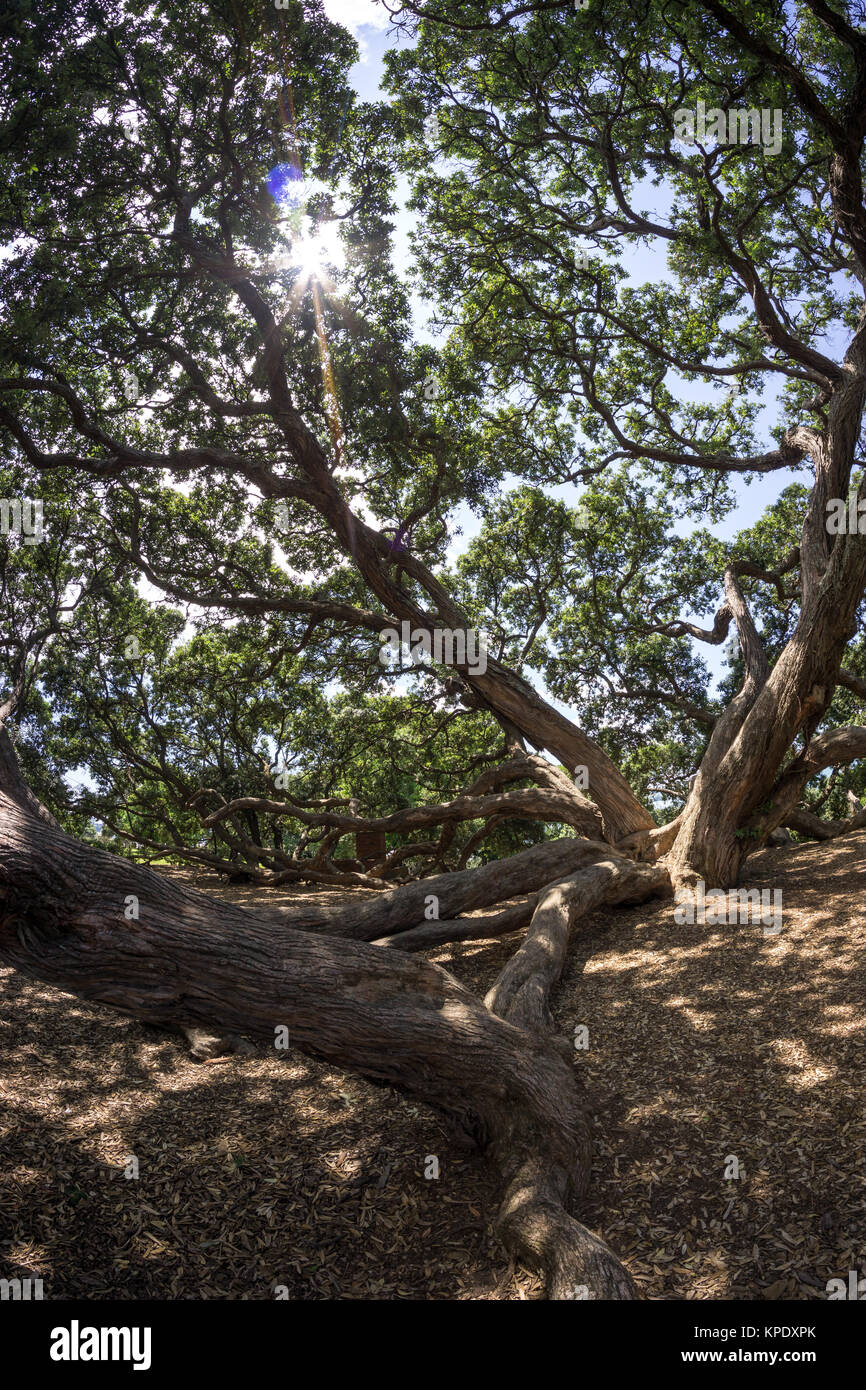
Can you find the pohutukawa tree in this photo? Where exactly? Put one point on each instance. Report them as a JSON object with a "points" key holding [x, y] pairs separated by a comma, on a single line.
{"points": [[230, 464]]}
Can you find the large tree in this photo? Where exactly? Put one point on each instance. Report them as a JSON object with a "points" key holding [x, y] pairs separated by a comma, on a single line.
{"points": [[250, 468]]}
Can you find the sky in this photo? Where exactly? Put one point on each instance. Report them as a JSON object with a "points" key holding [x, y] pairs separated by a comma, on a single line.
{"points": [[369, 22]]}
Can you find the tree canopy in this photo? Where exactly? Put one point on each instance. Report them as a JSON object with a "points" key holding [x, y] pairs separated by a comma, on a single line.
{"points": [[638, 231]]}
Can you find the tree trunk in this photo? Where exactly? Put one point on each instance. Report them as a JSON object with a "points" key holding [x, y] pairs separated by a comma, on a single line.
{"points": [[742, 763], [522, 990], [116, 933]]}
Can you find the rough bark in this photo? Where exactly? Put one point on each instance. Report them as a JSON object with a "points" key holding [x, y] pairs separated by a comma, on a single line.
{"points": [[457, 893], [188, 961], [13, 783], [522, 991], [440, 933], [534, 1218], [807, 823], [742, 763], [701, 845]]}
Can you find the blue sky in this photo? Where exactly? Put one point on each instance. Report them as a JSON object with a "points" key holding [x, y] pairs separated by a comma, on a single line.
{"points": [[368, 21]]}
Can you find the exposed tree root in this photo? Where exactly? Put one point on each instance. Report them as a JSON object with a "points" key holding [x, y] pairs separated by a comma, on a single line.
{"points": [[182, 959], [805, 822], [522, 992], [533, 1221], [455, 893], [535, 1226], [431, 934]]}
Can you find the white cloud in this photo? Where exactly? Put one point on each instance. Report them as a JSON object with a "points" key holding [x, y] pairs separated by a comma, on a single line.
{"points": [[356, 14]]}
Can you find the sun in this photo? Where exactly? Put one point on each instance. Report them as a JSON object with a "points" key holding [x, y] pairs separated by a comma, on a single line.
{"points": [[318, 253], [312, 255]]}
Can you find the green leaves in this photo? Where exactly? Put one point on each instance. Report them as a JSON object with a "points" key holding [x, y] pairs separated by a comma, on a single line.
{"points": [[597, 284]]}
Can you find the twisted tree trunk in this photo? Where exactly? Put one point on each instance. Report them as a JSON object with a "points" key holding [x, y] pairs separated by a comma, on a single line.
{"points": [[534, 1218], [732, 807], [117, 933]]}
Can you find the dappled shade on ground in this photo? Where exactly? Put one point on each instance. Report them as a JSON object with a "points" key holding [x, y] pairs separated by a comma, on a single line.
{"points": [[279, 1170]]}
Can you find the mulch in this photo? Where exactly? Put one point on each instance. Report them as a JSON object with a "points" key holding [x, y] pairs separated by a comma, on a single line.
{"points": [[274, 1175]]}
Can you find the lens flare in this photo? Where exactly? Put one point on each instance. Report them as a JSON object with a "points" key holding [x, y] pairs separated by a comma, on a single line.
{"points": [[316, 252], [286, 185], [311, 254]]}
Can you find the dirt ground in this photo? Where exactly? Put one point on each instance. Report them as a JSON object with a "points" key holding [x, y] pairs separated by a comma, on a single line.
{"points": [[273, 1175]]}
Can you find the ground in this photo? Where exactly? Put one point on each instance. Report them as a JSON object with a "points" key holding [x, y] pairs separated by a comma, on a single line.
{"points": [[266, 1171]]}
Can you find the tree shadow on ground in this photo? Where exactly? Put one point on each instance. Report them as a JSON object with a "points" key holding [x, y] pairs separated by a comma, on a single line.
{"points": [[705, 1044], [253, 1173]]}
